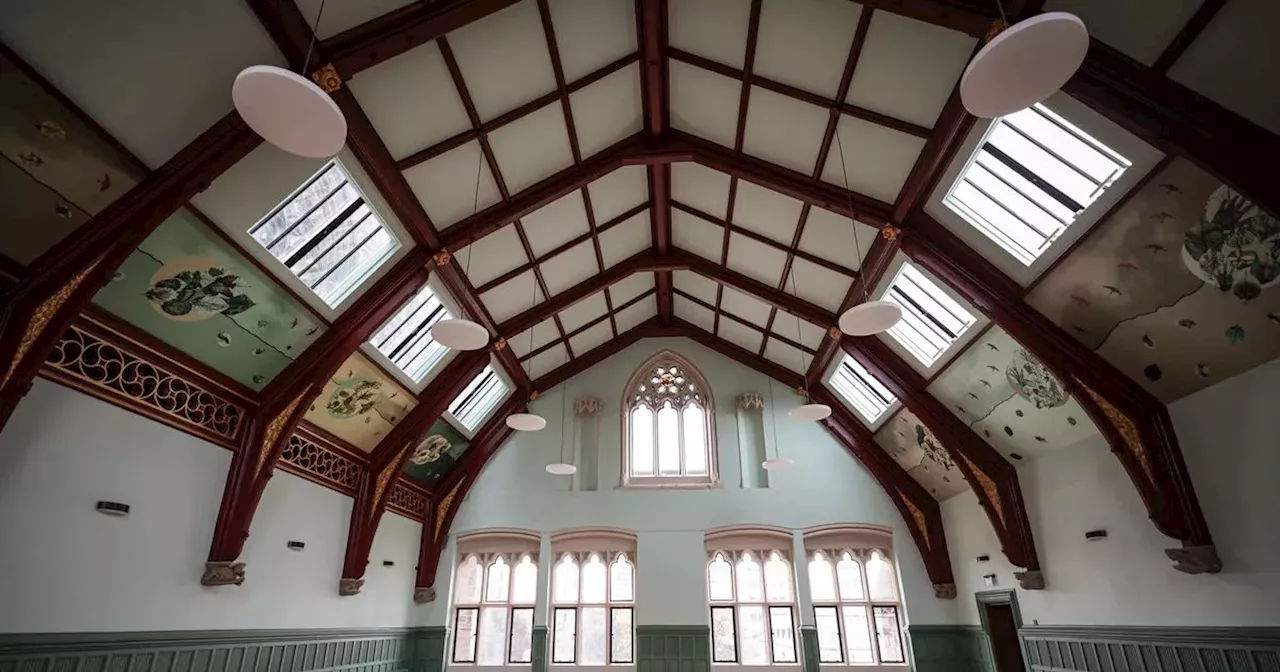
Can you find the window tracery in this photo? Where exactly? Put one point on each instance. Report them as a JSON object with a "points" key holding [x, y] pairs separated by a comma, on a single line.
{"points": [[668, 425]]}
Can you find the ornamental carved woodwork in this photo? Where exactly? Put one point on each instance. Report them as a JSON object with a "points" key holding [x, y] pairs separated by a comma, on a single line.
{"points": [[43, 314]]}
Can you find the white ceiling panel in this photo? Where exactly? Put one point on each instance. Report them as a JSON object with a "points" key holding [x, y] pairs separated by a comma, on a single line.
{"points": [[746, 307], [715, 29], [693, 313], [784, 130], [1139, 28], [818, 285], [608, 111], [635, 314], [704, 103], [533, 338], [617, 192], [741, 336], [766, 212], [504, 59], [590, 34], [628, 238], [695, 285], [570, 267], [555, 223], [630, 287], [512, 297], [592, 338], [780, 353], [340, 15], [446, 185], [786, 324], [878, 158], [495, 254], [411, 100], [700, 187], [547, 362], [755, 259], [584, 311], [697, 235], [806, 43], [899, 49], [532, 148], [831, 237]]}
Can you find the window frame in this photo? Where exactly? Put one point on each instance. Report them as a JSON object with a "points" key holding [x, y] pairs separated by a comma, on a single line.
{"points": [[610, 605], [853, 366], [457, 422], [693, 377], [763, 555], [861, 556], [510, 605], [940, 294]]}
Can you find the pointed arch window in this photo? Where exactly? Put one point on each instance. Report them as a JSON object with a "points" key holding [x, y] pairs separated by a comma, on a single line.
{"points": [[493, 608], [592, 598], [855, 604], [668, 421], [752, 616]]}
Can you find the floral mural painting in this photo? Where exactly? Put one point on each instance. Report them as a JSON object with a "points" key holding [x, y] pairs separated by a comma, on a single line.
{"points": [[436, 454], [1033, 382], [430, 450], [197, 293], [925, 459], [1235, 246], [360, 404], [354, 397]]}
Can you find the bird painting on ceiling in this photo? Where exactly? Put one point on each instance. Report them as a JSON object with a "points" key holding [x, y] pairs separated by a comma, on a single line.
{"points": [[1127, 266], [1113, 290], [984, 383], [1155, 248], [1171, 188], [1162, 217], [993, 347]]}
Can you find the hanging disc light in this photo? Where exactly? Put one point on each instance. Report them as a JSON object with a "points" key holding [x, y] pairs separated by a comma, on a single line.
{"points": [[809, 411], [1024, 64], [289, 110], [776, 463], [463, 334], [563, 467], [869, 317], [526, 422]]}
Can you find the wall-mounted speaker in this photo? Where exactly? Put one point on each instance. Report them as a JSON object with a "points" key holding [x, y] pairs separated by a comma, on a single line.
{"points": [[388, 563], [1094, 535], [296, 545], [984, 558], [113, 508]]}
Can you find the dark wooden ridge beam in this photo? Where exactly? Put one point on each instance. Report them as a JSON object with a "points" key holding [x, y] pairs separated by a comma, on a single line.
{"points": [[651, 35], [651, 328], [766, 293], [282, 404], [607, 316], [389, 457], [60, 283], [1134, 421], [992, 478], [1178, 121]]}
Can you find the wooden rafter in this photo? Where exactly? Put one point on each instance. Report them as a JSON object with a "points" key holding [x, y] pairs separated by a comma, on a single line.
{"points": [[651, 35]]}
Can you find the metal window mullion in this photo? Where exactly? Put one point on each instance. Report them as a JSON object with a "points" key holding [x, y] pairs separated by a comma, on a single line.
{"points": [[994, 232], [657, 442], [311, 211], [314, 239], [334, 244], [1030, 175], [1045, 148], [348, 255], [1001, 204], [680, 441], [416, 333], [978, 162], [280, 208], [942, 305]]}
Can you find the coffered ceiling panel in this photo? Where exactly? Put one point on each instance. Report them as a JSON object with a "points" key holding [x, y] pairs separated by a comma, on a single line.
{"points": [[696, 235], [591, 338], [360, 404], [626, 239], [742, 336], [784, 130], [716, 29], [411, 100], [1139, 28], [546, 362], [878, 158], [805, 43], [899, 49], [755, 259], [570, 267], [802, 331], [781, 353], [340, 15], [818, 285], [702, 188], [703, 103], [766, 212], [832, 237], [532, 148], [556, 223], [504, 60], [695, 285], [746, 307], [583, 311], [926, 460], [630, 287], [608, 111], [593, 33], [694, 314], [636, 313], [446, 185], [513, 297], [617, 192], [533, 338], [491, 256]]}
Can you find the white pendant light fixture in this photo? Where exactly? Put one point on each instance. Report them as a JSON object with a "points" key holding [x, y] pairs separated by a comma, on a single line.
{"points": [[462, 334], [289, 110], [563, 467], [809, 411], [1023, 64], [522, 422], [777, 462], [869, 317]]}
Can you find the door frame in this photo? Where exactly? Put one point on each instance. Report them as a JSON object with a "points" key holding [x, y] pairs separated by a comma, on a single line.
{"points": [[1010, 597]]}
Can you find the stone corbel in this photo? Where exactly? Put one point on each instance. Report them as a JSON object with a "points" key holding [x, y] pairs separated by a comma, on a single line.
{"points": [[349, 587], [751, 400], [222, 574], [586, 406], [1030, 580], [944, 591], [1195, 559], [424, 594]]}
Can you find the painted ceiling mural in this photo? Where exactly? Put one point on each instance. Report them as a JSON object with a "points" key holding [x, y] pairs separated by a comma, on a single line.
{"points": [[189, 288], [360, 404], [1178, 288], [435, 454], [56, 172], [914, 447], [1010, 399]]}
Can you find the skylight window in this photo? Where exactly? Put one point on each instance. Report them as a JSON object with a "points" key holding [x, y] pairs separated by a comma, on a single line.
{"points": [[480, 397], [1030, 179], [406, 339], [861, 390], [327, 234], [931, 320]]}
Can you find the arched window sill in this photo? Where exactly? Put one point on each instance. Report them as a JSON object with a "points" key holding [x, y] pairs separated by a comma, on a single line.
{"points": [[671, 485]]}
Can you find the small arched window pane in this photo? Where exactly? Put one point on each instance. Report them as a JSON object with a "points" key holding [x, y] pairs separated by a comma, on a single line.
{"points": [[621, 578], [880, 578], [750, 587], [498, 581], [695, 440], [525, 590], [470, 579], [849, 573], [777, 579], [821, 585], [642, 441], [595, 586], [720, 579], [668, 440], [566, 580]]}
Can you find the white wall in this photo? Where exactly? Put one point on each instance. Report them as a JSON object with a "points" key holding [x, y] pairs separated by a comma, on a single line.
{"points": [[1228, 438], [66, 568], [826, 485]]}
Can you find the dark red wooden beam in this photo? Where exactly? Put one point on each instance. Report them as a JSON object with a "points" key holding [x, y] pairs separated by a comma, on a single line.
{"points": [[283, 403], [767, 293], [592, 357], [60, 283], [1190, 31], [1135, 423], [388, 460], [973, 23], [651, 35], [607, 316], [765, 240]]}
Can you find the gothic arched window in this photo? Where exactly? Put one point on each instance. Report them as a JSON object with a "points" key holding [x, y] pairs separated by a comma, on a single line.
{"points": [[668, 425]]}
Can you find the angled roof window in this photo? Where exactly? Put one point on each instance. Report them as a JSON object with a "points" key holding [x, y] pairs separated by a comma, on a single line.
{"points": [[478, 399], [327, 234], [406, 339], [1032, 176], [931, 320], [860, 390]]}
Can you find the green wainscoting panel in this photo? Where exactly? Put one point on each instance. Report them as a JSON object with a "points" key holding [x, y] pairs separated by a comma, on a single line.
{"points": [[1151, 649], [541, 637], [345, 650], [949, 648], [809, 648], [671, 648]]}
